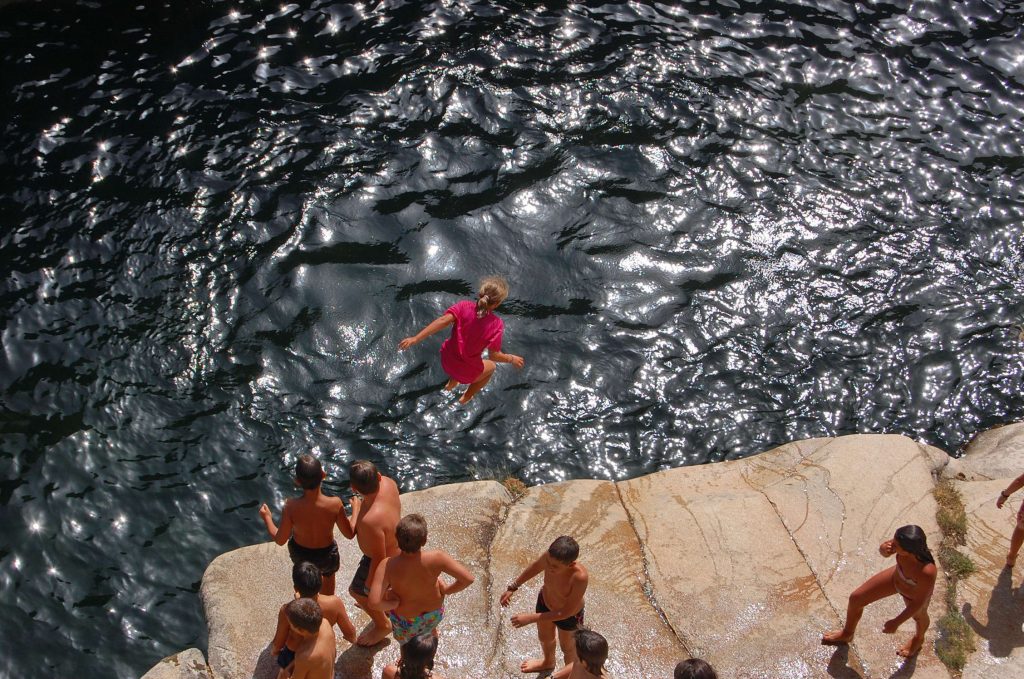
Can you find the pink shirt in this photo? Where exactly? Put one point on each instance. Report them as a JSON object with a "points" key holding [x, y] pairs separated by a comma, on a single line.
{"points": [[460, 353]]}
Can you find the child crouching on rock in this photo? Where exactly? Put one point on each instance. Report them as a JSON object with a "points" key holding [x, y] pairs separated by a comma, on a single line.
{"points": [[416, 661], [476, 328], [591, 655], [307, 581]]}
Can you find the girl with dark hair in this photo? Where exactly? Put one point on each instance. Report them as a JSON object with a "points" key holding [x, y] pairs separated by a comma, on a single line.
{"points": [[416, 660], [591, 655], [475, 327], [913, 578]]}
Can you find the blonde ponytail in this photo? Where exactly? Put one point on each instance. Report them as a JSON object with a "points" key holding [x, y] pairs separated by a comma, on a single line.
{"points": [[493, 291]]}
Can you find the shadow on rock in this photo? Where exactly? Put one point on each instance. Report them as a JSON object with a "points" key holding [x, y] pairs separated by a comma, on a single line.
{"points": [[839, 664], [266, 666], [356, 662], [1005, 612]]}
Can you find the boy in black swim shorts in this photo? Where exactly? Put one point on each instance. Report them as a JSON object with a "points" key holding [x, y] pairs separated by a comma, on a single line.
{"points": [[307, 523], [559, 606]]}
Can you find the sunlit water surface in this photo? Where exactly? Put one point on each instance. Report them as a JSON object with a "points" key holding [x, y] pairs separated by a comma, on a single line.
{"points": [[727, 225]]}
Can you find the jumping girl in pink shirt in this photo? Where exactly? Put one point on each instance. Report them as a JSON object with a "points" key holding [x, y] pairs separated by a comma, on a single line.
{"points": [[475, 328]]}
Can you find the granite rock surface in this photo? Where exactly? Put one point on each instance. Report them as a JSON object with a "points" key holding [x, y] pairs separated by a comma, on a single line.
{"points": [[744, 563]]}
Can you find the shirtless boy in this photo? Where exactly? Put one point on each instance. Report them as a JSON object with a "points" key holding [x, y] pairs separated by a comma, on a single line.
{"points": [[559, 603], [408, 587], [307, 523], [306, 580], [314, 657], [375, 512]]}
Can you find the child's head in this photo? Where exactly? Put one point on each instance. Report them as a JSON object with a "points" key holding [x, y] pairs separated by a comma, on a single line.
{"points": [[493, 291], [564, 550], [307, 579], [308, 472], [364, 477], [592, 650], [417, 657], [411, 533], [694, 668], [913, 539], [304, 616]]}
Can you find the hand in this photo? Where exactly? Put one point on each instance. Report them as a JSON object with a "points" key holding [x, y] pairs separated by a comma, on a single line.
{"points": [[1000, 501], [891, 626], [524, 619], [265, 511], [406, 343], [887, 548], [517, 361], [506, 598]]}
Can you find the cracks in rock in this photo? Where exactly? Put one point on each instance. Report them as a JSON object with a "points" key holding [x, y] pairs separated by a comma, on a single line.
{"points": [[499, 629], [647, 586]]}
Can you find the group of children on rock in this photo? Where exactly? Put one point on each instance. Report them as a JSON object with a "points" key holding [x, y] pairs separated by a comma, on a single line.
{"points": [[399, 585]]}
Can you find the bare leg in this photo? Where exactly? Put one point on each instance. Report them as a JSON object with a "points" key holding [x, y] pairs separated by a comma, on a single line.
{"points": [[567, 642], [484, 378], [452, 383], [327, 585], [546, 636], [1016, 540], [876, 587], [380, 627], [921, 622]]}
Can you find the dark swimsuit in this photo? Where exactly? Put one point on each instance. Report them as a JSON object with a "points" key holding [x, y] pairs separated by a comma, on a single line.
{"points": [[568, 624], [324, 558], [285, 658], [359, 579]]}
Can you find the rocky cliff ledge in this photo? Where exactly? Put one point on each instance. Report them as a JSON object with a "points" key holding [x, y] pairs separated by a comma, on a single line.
{"points": [[742, 563]]}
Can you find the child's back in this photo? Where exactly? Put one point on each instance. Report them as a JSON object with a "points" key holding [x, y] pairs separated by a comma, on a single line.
{"points": [[313, 517], [307, 522]]}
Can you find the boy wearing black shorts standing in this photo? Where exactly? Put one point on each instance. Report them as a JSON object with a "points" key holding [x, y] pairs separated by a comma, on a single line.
{"points": [[559, 603], [307, 523]]}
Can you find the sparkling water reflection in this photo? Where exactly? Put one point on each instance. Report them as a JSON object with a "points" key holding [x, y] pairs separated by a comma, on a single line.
{"points": [[727, 225]]}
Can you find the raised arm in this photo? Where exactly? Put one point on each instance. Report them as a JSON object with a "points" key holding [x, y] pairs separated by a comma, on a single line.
{"points": [[278, 534], [918, 597], [347, 525], [532, 571], [1014, 486], [435, 326], [463, 578], [501, 357]]}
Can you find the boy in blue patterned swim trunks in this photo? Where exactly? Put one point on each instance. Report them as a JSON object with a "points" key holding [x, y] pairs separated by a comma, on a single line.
{"points": [[408, 587]]}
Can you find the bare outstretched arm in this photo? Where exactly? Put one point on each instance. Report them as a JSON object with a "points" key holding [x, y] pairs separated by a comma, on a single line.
{"points": [[500, 357], [435, 326]]}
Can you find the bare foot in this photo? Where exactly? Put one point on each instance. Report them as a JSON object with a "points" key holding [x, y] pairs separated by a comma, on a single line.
{"points": [[465, 399], [535, 665], [373, 635], [451, 385], [912, 648], [1010, 563], [835, 639]]}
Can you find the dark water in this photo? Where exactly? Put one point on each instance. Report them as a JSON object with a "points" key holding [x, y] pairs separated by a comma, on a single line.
{"points": [[727, 225]]}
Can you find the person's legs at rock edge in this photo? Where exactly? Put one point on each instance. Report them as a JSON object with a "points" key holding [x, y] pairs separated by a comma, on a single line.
{"points": [[876, 587]]}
